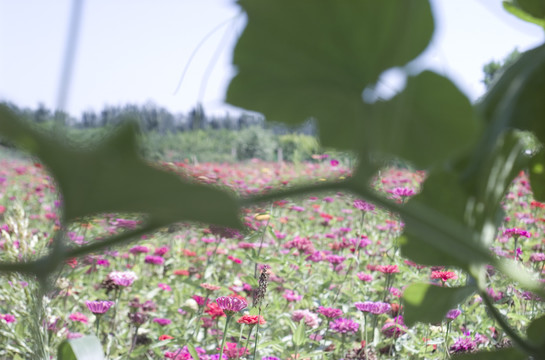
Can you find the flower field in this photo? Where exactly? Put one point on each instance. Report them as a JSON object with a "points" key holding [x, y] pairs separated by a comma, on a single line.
{"points": [[316, 277]]}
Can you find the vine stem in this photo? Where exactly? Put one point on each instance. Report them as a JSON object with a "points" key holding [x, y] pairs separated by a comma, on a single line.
{"points": [[513, 335]]}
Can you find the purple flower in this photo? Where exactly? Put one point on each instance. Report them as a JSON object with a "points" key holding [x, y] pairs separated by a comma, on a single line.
{"points": [[515, 232], [363, 205], [231, 304], [162, 321], [537, 257], [335, 259], [365, 277], [152, 259], [98, 307], [376, 308], [291, 295], [402, 191], [342, 325], [394, 327], [453, 314], [463, 345], [331, 313], [310, 319], [122, 278], [139, 249], [7, 318]]}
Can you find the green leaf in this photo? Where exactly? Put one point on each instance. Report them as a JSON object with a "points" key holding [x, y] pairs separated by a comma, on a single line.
{"points": [[431, 111], [84, 348], [536, 331], [429, 303], [305, 58], [192, 351], [111, 177], [250, 280], [299, 338], [503, 354], [537, 175], [515, 101], [532, 11]]}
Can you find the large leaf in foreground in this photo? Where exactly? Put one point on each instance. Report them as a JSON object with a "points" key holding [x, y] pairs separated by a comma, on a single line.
{"points": [[532, 11], [430, 303], [503, 354], [111, 177], [84, 348], [306, 58], [427, 123]]}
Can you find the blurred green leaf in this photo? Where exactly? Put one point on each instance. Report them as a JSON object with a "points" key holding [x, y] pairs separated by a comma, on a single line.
{"points": [[537, 175], [193, 351], [503, 354], [299, 337], [84, 348], [431, 111], [303, 59], [516, 99], [250, 280], [532, 11], [536, 332], [111, 177], [430, 303]]}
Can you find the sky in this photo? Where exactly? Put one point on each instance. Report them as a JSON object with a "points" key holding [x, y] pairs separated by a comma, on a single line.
{"points": [[135, 51]]}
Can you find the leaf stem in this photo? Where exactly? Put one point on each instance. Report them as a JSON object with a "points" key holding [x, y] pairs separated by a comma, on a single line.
{"points": [[517, 339]]}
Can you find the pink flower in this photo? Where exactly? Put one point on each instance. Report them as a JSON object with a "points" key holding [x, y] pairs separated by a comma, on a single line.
{"points": [[122, 278], [310, 319], [155, 260], [162, 321], [8, 318], [77, 316], [517, 233], [363, 205], [99, 306], [331, 313], [231, 304], [388, 269], [165, 287], [291, 295], [376, 308], [139, 249], [334, 162], [343, 326], [443, 275], [364, 277], [161, 251]]}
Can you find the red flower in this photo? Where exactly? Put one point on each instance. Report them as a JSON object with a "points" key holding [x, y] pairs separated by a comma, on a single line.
{"points": [[443, 275], [181, 272], [214, 310], [251, 320], [165, 337], [388, 269]]}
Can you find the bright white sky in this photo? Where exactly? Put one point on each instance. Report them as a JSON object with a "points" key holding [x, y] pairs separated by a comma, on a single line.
{"points": [[134, 51]]}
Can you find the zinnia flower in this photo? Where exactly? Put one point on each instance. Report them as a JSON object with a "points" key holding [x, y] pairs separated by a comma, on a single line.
{"points": [[122, 278], [251, 320], [376, 308], [311, 319], [343, 326], [152, 259], [77, 316], [331, 313], [162, 321], [453, 314], [99, 307], [230, 304], [443, 275]]}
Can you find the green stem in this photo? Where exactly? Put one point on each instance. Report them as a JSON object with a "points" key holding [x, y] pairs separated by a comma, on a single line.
{"points": [[224, 335], [256, 333], [515, 337]]}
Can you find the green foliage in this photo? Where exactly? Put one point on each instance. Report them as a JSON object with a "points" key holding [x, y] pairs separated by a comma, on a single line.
{"points": [[307, 59], [430, 303], [298, 147], [84, 348]]}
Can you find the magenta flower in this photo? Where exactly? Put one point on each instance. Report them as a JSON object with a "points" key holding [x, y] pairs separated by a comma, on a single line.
{"points": [[155, 260], [291, 295], [331, 313], [161, 251], [343, 326], [463, 345], [365, 277], [122, 278], [311, 319], [537, 257], [139, 249], [363, 205], [165, 287], [402, 191], [394, 327], [99, 307], [162, 321], [77, 316], [230, 304], [376, 308], [453, 314], [7, 318], [517, 233]]}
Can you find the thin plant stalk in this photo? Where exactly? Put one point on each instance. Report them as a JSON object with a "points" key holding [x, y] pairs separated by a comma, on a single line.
{"points": [[224, 335]]}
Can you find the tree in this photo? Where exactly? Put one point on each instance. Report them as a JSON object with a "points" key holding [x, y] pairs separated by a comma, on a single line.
{"points": [[494, 69]]}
